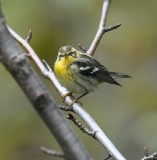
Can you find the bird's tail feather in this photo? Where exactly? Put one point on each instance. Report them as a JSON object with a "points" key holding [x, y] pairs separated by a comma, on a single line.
{"points": [[116, 75]]}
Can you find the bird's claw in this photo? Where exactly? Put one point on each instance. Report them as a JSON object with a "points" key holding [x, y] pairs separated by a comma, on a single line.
{"points": [[74, 99], [67, 94]]}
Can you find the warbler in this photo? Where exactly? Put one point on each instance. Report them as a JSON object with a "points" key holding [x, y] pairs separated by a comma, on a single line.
{"points": [[82, 73]]}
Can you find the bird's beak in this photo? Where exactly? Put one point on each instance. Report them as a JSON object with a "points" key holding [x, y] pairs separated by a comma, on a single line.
{"points": [[65, 56]]}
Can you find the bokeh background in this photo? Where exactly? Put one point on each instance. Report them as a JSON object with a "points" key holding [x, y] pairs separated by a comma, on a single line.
{"points": [[127, 114]]}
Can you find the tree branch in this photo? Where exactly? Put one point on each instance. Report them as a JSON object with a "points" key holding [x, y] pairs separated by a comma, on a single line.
{"points": [[147, 157], [107, 157], [15, 62], [100, 135], [151, 157], [101, 28], [51, 152], [110, 28], [80, 126]]}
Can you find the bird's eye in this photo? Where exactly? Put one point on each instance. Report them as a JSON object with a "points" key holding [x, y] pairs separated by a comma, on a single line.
{"points": [[72, 54], [60, 56]]}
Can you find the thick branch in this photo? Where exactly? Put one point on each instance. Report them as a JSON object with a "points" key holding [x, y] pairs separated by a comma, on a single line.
{"points": [[15, 62]]}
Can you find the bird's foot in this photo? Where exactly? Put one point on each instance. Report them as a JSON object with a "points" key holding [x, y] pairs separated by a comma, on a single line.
{"points": [[67, 94], [73, 97], [75, 101]]}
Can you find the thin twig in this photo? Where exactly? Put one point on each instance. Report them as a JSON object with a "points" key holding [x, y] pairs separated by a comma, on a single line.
{"points": [[80, 126], [146, 153], [147, 157], [107, 157], [110, 28], [65, 108], [82, 48], [52, 152], [101, 28], [151, 157], [29, 36], [47, 66]]}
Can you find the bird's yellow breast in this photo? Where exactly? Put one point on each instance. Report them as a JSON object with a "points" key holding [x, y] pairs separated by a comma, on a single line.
{"points": [[61, 67]]}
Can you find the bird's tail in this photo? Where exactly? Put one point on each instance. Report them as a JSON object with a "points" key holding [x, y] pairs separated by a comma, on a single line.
{"points": [[116, 75]]}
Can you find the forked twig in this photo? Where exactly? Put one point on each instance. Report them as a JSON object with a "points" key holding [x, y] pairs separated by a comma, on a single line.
{"points": [[108, 29]]}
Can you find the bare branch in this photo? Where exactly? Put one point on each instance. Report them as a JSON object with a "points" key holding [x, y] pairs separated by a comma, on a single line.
{"points": [[151, 157], [82, 48], [101, 28], [146, 154], [80, 126], [29, 36], [100, 135], [107, 157], [52, 152], [65, 108], [47, 66], [147, 157], [110, 28]]}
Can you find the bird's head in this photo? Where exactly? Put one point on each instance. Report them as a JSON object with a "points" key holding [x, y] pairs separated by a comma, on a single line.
{"points": [[67, 52]]}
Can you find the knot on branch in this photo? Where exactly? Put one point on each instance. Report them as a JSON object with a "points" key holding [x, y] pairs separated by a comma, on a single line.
{"points": [[19, 66], [41, 101]]}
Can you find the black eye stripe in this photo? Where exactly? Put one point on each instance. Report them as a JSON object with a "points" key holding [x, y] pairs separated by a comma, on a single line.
{"points": [[72, 54], [61, 55]]}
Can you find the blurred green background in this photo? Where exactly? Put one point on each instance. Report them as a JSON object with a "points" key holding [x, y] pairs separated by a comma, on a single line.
{"points": [[127, 114]]}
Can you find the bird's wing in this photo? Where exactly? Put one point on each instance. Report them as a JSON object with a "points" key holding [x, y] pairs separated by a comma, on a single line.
{"points": [[90, 67]]}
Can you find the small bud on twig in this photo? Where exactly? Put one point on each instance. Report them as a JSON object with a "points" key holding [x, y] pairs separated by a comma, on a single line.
{"points": [[29, 36]]}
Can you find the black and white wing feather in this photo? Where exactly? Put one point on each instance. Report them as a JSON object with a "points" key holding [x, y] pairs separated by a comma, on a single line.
{"points": [[91, 68]]}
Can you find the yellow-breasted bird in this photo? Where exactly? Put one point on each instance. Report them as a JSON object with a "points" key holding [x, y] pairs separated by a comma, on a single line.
{"points": [[81, 73]]}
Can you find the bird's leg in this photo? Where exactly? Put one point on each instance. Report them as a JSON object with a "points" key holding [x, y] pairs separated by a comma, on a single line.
{"points": [[76, 99], [81, 96]]}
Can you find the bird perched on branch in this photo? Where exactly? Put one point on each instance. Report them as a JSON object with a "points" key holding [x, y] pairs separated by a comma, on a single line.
{"points": [[81, 73]]}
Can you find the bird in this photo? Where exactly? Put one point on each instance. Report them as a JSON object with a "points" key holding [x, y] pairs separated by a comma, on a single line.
{"points": [[81, 73]]}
